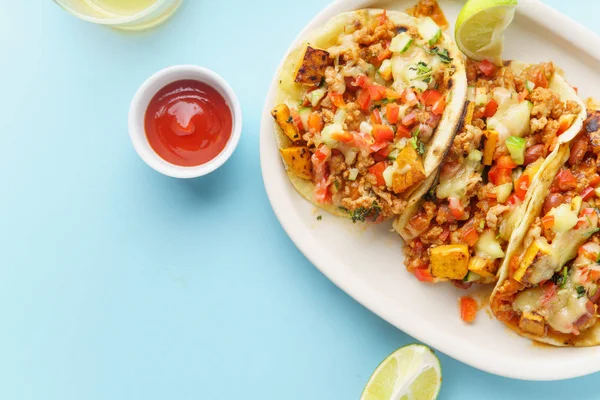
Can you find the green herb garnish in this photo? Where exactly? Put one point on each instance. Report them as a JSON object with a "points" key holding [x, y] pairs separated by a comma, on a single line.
{"points": [[561, 278], [417, 145], [580, 291], [361, 214], [442, 54], [319, 218], [424, 71]]}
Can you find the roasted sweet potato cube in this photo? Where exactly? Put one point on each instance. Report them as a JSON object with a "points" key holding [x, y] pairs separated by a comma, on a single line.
{"points": [[483, 267], [532, 323], [284, 119], [312, 69], [534, 253], [297, 160], [409, 170], [449, 261]]}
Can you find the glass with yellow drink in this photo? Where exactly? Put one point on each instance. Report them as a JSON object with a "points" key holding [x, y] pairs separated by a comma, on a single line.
{"points": [[122, 14]]}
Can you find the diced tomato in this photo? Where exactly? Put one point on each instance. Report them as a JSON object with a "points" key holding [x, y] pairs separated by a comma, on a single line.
{"points": [[487, 68], [409, 119], [491, 108], [377, 92], [385, 54], [337, 99], [468, 309], [548, 221], [430, 97], [315, 123], [382, 133], [550, 290], [297, 120], [589, 251], [588, 193], [506, 162], [595, 181], [376, 116], [322, 192], [522, 186], [439, 106], [382, 154], [565, 180], [322, 153], [344, 137], [423, 275], [594, 275], [402, 131], [499, 176], [392, 112], [587, 211], [377, 170], [513, 200], [470, 236], [362, 81], [364, 99], [458, 211], [587, 218], [377, 146]]}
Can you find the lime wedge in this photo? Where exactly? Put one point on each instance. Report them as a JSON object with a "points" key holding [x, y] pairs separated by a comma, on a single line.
{"points": [[412, 372], [480, 27]]}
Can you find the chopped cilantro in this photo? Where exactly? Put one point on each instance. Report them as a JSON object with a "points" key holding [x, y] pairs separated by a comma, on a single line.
{"points": [[580, 291], [442, 54], [561, 278], [361, 214], [430, 195], [417, 145], [423, 71], [319, 217]]}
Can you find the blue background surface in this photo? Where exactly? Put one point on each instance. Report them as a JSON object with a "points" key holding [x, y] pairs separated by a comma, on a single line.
{"points": [[119, 283]]}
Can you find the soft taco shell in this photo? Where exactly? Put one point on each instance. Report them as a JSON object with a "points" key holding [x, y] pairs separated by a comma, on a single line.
{"points": [[520, 220], [290, 91]]}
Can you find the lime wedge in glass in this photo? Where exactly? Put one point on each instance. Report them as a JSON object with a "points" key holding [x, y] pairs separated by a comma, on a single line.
{"points": [[480, 27], [412, 372]]}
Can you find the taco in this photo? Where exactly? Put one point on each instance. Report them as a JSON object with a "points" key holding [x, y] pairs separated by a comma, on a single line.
{"points": [[549, 289], [366, 109], [517, 117]]}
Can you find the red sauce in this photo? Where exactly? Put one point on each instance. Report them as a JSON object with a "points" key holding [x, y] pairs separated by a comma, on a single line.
{"points": [[188, 123]]}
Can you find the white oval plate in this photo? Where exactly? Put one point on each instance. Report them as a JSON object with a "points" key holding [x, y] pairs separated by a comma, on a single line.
{"points": [[368, 263]]}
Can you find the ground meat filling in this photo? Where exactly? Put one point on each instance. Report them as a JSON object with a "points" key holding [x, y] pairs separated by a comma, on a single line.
{"points": [[578, 178], [377, 113], [479, 207]]}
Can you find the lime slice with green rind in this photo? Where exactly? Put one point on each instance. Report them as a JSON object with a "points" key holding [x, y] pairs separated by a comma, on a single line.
{"points": [[412, 372], [480, 27]]}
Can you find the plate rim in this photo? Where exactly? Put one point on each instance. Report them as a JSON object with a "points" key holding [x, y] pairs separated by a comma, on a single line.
{"points": [[424, 331]]}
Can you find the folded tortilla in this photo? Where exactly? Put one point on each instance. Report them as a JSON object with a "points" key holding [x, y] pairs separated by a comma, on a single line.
{"points": [[338, 36]]}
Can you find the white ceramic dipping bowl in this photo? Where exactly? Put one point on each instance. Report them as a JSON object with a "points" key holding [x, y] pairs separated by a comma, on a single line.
{"points": [[146, 92]]}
